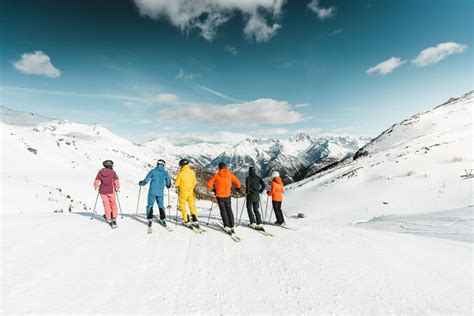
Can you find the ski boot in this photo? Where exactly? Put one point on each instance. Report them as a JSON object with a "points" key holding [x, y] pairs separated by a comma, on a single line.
{"points": [[195, 221], [253, 225], [162, 222]]}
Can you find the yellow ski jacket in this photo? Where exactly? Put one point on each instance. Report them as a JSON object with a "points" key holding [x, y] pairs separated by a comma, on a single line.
{"points": [[186, 179]]}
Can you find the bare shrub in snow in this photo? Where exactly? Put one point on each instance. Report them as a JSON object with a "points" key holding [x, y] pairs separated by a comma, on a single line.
{"points": [[411, 173], [457, 158]]}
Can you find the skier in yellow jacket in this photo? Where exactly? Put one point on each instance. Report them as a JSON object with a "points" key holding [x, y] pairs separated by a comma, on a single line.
{"points": [[185, 182]]}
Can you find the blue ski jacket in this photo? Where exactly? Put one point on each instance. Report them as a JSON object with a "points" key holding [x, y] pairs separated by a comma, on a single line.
{"points": [[159, 178]]}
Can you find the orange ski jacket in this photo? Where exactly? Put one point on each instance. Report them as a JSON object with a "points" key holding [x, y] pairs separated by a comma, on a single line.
{"points": [[223, 183], [276, 191]]}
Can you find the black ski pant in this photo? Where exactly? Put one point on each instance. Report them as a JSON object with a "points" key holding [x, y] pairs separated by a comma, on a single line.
{"points": [[149, 215], [278, 213], [253, 205], [225, 206]]}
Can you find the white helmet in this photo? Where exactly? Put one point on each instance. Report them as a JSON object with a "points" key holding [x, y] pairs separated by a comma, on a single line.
{"points": [[275, 174]]}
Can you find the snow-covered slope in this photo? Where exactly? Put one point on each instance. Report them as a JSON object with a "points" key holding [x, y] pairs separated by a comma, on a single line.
{"points": [[406, 180], [414, 166]]}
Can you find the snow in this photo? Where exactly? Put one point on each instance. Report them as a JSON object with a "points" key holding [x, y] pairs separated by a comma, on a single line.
{"points": [[347, 256]]}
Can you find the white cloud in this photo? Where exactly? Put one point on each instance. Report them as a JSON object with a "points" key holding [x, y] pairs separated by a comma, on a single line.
{"points": [[258, 29], [187, 75], [302, 105], [179, 138], [433, 55], [37, 63], [208, 15], [322, 13], [164, 98], [386, 66], [260, 111], [272, 132], [231, 49]]}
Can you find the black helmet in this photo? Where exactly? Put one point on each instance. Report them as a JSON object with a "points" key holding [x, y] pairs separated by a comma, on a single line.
{"points": [[108, 164], [252, 171], [183, 162], [161, 162], [222, 165]]}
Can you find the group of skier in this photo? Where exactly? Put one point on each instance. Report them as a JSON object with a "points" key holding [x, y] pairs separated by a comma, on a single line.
{"points": [[107, 182]]}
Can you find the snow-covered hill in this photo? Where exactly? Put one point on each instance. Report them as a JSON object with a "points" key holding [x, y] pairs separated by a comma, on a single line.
{"points": [[364, 247]]}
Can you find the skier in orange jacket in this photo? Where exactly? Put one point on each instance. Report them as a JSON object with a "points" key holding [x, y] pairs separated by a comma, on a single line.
{"points": [[276, 192], [221, 184]]}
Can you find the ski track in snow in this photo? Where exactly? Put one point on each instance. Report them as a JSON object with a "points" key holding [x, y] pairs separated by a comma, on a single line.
{"points": [[66, 262]]}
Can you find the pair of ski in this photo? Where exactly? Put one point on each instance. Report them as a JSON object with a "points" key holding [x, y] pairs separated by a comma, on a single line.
{"points": [[261, 231], [163, 224], [233, 236], [112, 224], [195, 228]]}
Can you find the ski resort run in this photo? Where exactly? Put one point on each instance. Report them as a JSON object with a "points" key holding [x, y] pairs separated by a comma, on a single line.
{"points": [[387, 229]]}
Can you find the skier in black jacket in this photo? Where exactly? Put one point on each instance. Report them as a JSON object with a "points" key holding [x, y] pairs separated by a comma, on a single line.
{"points": [[254, 185]]}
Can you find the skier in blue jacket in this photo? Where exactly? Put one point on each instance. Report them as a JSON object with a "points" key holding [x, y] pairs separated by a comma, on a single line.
{"points": [[159, 177]]}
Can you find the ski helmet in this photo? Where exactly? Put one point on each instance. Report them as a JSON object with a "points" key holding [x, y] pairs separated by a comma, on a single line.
{"points": [[222, 165], [252, 171], [183, 162], [275, 174], [108, 164], [161, 162]]}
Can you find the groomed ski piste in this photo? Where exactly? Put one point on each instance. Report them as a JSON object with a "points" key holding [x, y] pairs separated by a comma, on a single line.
{"points": [[344, 257]]}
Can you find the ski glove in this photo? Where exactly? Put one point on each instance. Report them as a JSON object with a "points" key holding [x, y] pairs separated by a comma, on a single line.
{"points": [[141, 183], [214, 191]]}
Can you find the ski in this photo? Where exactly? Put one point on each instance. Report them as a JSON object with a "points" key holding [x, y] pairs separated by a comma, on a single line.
{"points": [[197, 230], [163, 225], [281, 226], [234, 237], [261, 231], [111, 223]]}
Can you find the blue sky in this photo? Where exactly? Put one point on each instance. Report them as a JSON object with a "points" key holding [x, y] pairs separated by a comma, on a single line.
{"points": [[213, 69]]}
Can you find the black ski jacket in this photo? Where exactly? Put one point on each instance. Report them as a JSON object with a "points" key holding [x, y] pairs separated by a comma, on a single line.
{"points": [[254, 185]]}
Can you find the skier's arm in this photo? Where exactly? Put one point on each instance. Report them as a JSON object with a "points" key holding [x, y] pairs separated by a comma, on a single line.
{"points": [[96, 182], [247, 185], [236, 181], [210, 183], [146, 180], [116, 182], [194, 179], [178, 179], [167, 180], [262, 185]]}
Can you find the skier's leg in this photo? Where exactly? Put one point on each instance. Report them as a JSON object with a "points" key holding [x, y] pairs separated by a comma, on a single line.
{"points": [[192, 206], [107, 210], [113, 205], [149, 206], [278, 213], [161, 205], [257, 213], [222, 208], [182, 206], [250, 213], [230, 214]]}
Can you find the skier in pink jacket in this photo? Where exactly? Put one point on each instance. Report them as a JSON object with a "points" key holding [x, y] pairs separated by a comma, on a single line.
{"points": [[107, 182]]}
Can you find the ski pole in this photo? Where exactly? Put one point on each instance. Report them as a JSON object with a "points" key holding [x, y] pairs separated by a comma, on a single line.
{"points": [[242, 211], [210, 211], [236, 209], [266, 208], [138, 202], [95, 204], [176, 216], [169, 205], [120, 207]]}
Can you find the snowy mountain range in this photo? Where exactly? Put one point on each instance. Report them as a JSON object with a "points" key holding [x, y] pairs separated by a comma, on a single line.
{"points": [[291, 158]]}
